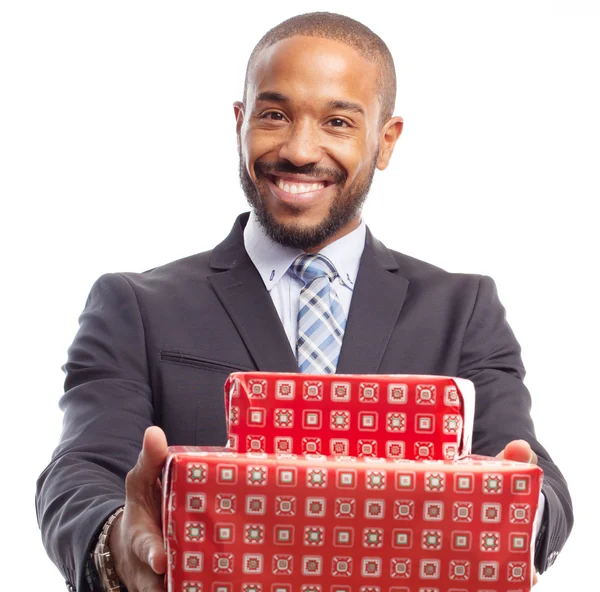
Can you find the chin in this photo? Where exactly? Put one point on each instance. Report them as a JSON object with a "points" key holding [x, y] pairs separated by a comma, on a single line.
{"points": [[297, 233], [296, 219]]}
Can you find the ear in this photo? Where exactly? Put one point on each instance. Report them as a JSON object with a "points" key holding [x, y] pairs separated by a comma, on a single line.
{"points": [[389, 136], [238, 109]]}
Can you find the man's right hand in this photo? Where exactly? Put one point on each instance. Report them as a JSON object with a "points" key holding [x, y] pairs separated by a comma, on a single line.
{"points": [[136, 541]]}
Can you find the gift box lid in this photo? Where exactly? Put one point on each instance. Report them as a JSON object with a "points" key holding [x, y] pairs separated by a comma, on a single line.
{"points": [[398, 416]]}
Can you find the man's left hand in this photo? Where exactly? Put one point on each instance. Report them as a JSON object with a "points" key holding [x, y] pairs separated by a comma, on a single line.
{"points": [[520, 451]]}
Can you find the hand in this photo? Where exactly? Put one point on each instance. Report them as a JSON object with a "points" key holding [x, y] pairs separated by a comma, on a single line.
{"points": [[136, 541], [520, 451]]}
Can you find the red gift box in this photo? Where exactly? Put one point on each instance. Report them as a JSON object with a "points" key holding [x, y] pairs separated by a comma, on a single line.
{"points": [[392, 416], [245, 522]]}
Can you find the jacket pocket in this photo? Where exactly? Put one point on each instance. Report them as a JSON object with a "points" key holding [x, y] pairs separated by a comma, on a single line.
{"points": [[192, 410], [177, 357]]}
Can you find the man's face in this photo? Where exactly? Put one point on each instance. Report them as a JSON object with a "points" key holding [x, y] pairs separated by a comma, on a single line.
{"points": [[309, 139]]}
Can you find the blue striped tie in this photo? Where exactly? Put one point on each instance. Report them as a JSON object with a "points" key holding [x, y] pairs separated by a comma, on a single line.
{"points": [[321, 318]]}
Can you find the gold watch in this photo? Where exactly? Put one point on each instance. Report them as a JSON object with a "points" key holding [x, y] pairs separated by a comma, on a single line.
{"points": [[103, 558]]}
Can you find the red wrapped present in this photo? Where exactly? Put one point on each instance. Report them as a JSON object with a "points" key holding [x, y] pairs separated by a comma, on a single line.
{"points": [[245, 522], [392, 416]]}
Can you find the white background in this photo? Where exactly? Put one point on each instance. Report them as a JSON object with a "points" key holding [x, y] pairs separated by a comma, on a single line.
{"points": [[118, 153]]}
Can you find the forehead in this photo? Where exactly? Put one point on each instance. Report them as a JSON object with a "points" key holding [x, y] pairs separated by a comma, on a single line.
{"points": [[315, 69]]}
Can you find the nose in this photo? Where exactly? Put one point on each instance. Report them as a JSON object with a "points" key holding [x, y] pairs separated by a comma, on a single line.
{"points": [[302, 145]]}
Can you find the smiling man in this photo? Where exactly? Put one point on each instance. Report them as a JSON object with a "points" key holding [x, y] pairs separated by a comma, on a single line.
{"points": [[315, 124], [300, 284]]}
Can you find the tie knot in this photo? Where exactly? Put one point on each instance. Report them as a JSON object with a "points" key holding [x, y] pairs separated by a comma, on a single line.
{"points": [[310, 267]]}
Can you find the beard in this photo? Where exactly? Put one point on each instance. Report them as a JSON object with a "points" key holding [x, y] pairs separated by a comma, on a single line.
{"points": [[345, 206]]}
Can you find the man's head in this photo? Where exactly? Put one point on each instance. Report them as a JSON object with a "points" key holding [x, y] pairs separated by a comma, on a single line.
{"points": [[314, 125]]}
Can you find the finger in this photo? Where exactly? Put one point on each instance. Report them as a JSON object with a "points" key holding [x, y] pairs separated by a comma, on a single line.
{"points": [[158, 560], [148, 548], [535, 578], [151, 459], [519, 451]]}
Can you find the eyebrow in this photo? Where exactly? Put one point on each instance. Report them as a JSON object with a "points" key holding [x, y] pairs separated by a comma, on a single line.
{"points": [[272, 96], [345, 106], [334, 105]]}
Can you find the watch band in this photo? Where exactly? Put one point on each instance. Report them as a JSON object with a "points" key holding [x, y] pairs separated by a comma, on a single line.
{"points": [[103, 558]]}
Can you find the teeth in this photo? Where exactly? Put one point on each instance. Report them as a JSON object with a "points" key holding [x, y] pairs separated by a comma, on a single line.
{"points": [[296, 188]]}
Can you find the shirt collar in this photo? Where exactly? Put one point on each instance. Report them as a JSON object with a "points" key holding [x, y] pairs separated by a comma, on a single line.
{"points": [[273, 260], [345, 254]]}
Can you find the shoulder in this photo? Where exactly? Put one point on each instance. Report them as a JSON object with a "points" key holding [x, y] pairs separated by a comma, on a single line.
{"points": [[439, 287], [170, 278], [422, 273], [191, 267]]}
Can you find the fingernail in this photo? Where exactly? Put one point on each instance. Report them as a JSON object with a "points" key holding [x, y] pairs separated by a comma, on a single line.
{"points": [[151, 559]]}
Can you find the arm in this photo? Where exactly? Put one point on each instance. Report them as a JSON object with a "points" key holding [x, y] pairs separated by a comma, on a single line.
{"points": [[491, 358], [107, 407]]}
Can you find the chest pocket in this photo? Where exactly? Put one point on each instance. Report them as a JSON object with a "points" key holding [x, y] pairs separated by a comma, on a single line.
{"points": [[193, 408]]}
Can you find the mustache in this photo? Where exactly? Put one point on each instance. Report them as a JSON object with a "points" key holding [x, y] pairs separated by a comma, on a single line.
{"points": [[312, 170]]}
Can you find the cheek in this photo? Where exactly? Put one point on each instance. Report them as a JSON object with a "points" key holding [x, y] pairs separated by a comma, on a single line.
{"points": [[354, 156], [356, 167], [256, 146]]}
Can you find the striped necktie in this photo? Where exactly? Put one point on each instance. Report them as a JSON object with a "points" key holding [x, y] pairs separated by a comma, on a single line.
{"points": [[321, 318]]}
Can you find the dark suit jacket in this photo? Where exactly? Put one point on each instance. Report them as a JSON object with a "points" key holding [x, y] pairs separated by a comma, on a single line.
{"points": [[156, 348]]}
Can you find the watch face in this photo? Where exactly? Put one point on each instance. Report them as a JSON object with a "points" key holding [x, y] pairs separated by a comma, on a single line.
{"points": [[104, 565]]}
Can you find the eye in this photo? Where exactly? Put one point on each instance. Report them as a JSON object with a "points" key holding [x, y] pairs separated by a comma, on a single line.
{"points": [[273, 116], [337, 122]]}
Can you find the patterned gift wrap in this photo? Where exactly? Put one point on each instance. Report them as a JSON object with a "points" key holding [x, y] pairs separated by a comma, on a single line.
{"points": [[392, 416], [244, 522]]}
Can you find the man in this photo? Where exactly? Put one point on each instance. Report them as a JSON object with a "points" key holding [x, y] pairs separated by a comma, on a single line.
{"points": [[154, 349]]}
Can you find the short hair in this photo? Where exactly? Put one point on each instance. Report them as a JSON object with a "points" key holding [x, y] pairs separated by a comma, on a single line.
{"points": [[341, 28]]}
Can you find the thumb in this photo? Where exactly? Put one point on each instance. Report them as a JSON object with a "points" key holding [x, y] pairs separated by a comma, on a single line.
{"points": [[149, 548], [151, 459], [518, 451]]}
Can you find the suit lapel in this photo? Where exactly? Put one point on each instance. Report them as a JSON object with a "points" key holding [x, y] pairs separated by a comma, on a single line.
{"points": [[376, 303], [248, 303]]}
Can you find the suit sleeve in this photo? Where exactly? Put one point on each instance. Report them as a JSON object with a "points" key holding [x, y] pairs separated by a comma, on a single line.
{"points": [[107, 406], [491, 358]]}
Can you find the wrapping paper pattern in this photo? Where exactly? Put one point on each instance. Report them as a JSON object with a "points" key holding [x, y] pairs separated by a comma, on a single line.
{"points": [[256, 522], [392, 416]]}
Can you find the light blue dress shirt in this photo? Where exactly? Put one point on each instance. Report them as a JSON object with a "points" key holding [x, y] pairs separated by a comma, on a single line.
{"points": [[273, 263]]}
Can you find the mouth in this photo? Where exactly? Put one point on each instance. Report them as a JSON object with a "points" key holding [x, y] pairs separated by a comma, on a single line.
{"points": [[299, 191], [295, 187]]}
